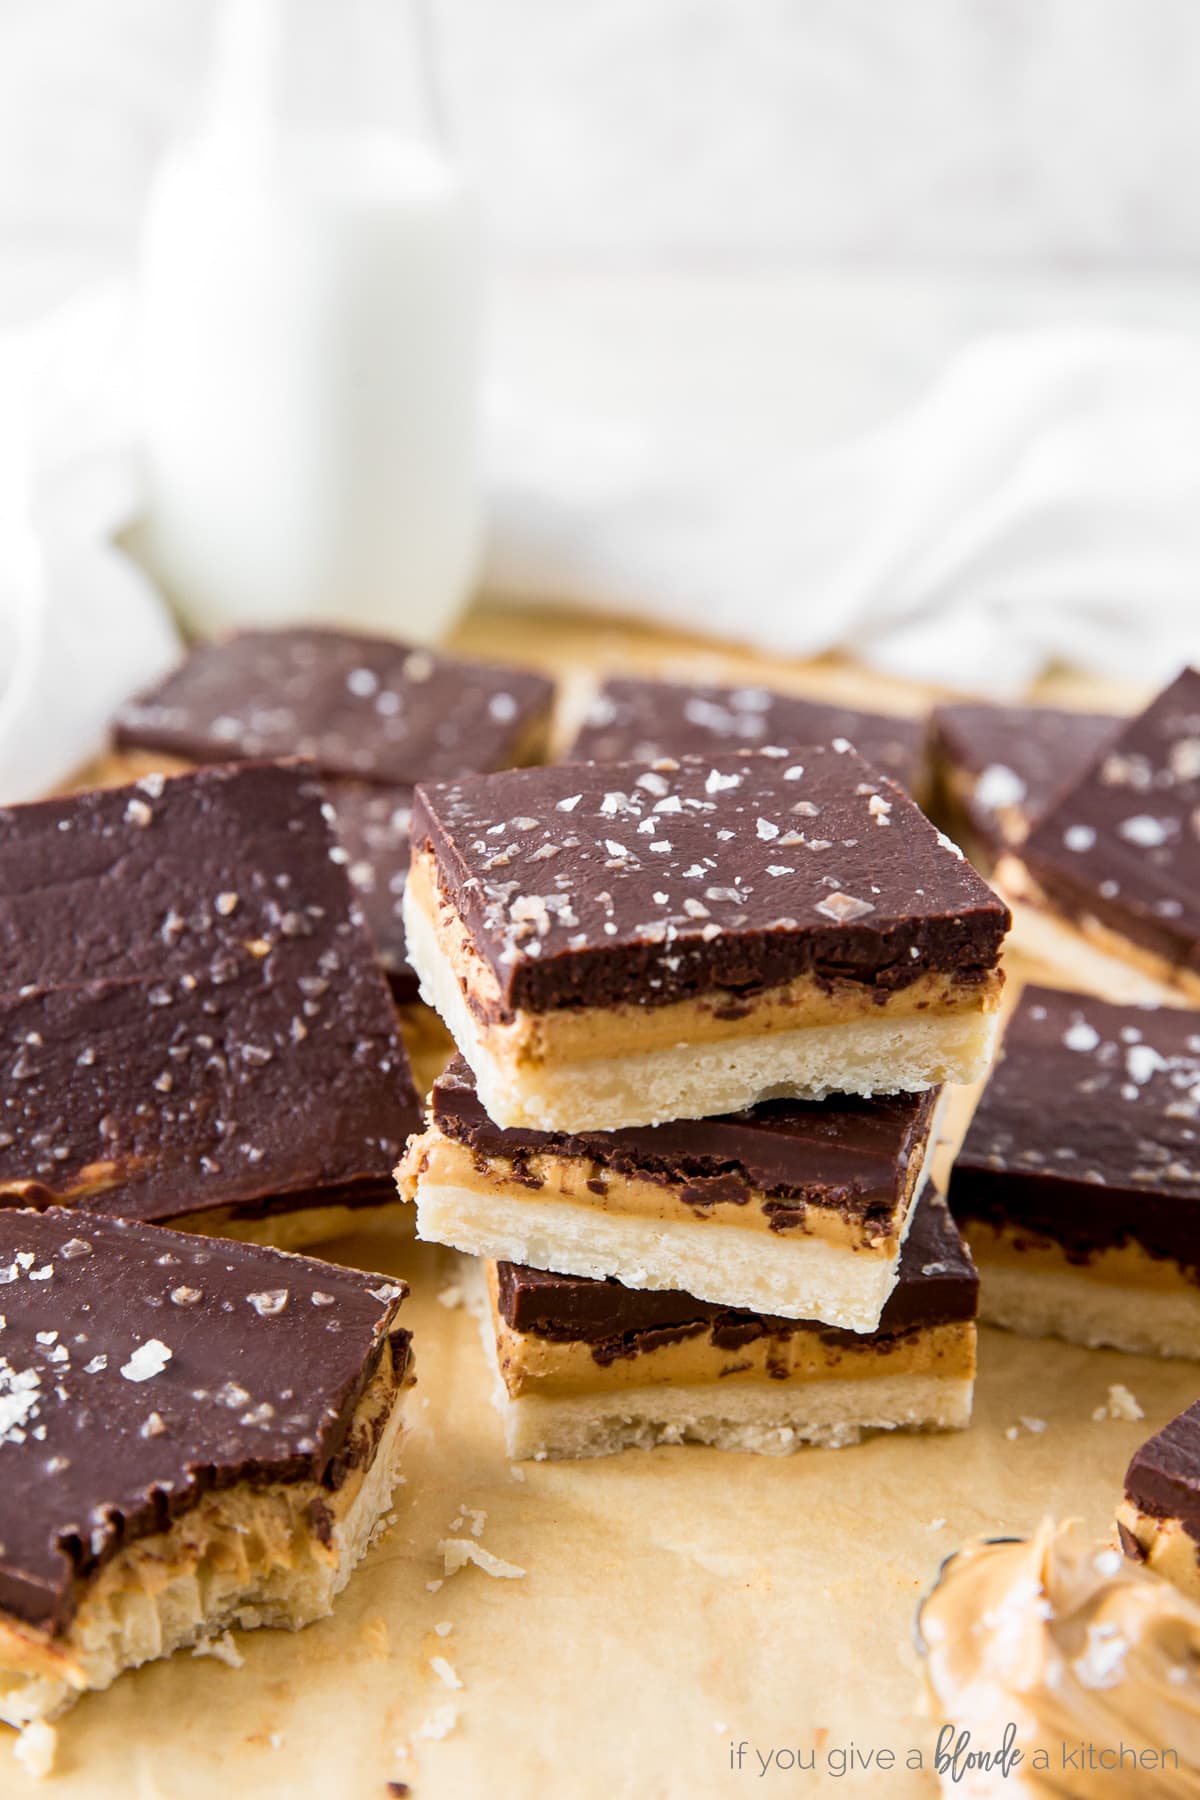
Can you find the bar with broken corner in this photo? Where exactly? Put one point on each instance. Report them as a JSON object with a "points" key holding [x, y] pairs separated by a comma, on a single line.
{"points": [[193, 1025], [373, 715], [1078, 1184], [1159, 1516], [195, 1435], [1108, 880], [617, 945], [632, 720], [796, 1207], [995, 769], [588, 1368]]}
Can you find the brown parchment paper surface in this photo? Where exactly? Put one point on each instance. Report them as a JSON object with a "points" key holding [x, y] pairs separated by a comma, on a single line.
{"points": [[676, 1603]]}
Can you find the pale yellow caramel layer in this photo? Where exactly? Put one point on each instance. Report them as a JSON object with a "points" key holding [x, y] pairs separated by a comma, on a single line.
{"points": [[443, 1161]]}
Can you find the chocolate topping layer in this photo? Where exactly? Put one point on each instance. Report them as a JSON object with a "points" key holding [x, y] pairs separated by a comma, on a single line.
{"points": [[641, 721], [599, 885], [1017, 757], [372, 828], [1088, 1132], [845, 1153], [140, 1368], [358, 706], [242, 1041], [1123, 844], [1163, 1479], [937, 1285]]}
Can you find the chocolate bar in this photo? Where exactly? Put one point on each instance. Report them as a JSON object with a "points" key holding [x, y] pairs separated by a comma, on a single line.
{"points": [[193, 1026], [615, 945], [631, 720], [797, 1208], [1108, 880], [1078, 1182], [195, 1435], [372, 714], [586, 1367], [1159, 1518], [997, 768]]}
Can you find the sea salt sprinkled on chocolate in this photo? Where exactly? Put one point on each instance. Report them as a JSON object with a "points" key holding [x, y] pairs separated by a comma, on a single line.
{"points": [[148, 1360], [270, 1303]]}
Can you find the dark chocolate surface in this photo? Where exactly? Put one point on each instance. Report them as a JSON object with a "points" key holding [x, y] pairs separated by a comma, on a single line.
{"points": [[1123, 844], [1088, 1132], [105, 1439], [640, 721], [592, 885], [189, 998], [358, 706], [1016, 757], [1164, 1477], [372, 828], [937, 1285], [845, 1153]]}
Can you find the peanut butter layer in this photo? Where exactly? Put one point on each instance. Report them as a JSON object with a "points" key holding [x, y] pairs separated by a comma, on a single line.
{"points": [[1127, 1267], [842, 1170], [1164, 1545], [595, 1033], [594, 888], [1163, 1483]]}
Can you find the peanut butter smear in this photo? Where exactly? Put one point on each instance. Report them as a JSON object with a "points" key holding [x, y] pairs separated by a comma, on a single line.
{"points": [[1054, 1666]]}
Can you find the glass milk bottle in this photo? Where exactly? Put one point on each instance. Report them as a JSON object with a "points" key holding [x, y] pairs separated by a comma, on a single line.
{"points": [[309, 333]]}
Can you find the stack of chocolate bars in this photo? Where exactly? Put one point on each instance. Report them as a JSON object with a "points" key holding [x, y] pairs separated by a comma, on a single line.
{"points": [[703, 1005]]}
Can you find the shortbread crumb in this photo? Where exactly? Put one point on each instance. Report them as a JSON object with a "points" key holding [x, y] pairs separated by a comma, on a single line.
{"points": [[223, 1648], [36, 1748], [456, 1553]]}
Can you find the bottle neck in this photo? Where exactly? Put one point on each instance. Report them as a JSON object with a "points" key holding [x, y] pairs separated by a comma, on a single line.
{"points": [[327, 66]]}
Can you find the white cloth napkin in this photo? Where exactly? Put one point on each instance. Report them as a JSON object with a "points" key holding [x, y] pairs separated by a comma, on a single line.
{"points": [[1040, 503], [80, 626]]}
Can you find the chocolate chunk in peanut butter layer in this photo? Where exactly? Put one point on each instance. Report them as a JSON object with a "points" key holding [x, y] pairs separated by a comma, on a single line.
{"points": [[1122, 846], [997, 768], [640, 721], [591, 885], [141, 1369], [846, 1155], [191, 1013], [937, 1285], [361, 707], [1088, 1132]]}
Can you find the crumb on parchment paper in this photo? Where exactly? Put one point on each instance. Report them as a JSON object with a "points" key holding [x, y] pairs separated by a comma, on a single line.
{"points": [[222, 1648], [36, 1748], [456, 1553], [1121, 1405]]}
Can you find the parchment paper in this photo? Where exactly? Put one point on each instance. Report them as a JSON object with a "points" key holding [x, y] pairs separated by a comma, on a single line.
{"points": [[676, 1603]]}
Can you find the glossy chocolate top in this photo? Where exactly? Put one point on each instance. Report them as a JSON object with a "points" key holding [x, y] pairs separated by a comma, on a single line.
{"points": [[845, 1153], [140, 1368], [1016, 758], [937, 1284], [1088, 1131], [1164, 1477], [640, 721], [1123, 844], [595, 885], [372, 827], [191, 1014], [358, 706]]}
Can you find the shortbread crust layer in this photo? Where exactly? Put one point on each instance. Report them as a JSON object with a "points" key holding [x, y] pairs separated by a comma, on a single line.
{"points": [[605, 1068], [1163, 1545], [1120, 1299]]}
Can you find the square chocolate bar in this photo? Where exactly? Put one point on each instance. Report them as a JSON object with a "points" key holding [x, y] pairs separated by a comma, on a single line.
{"points": [[193, 1026], [997, 768], [630, 720], [586, 1368], [1159, 1518], [194, 1434], [795, 1207], [1109, 877], [616, 945], [1078, 1185]]}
